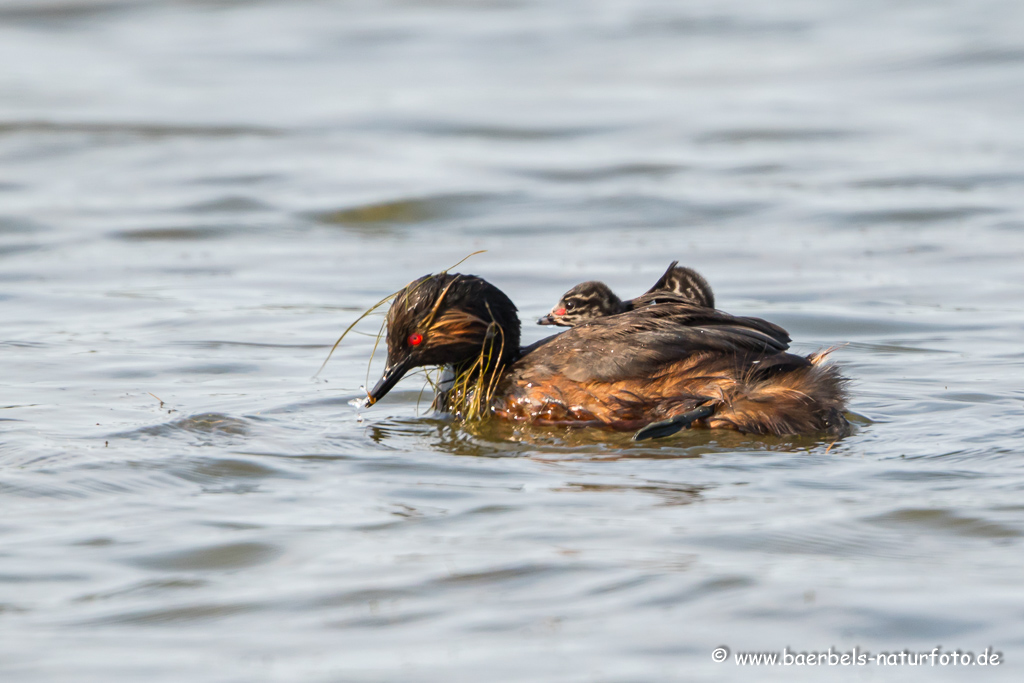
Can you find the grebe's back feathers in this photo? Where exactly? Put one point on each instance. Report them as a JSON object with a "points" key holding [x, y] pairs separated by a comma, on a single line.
{"points": [[613, 348]]}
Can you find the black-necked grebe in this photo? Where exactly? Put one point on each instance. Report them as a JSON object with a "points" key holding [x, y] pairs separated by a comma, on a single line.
{"points": [[658, 368]]}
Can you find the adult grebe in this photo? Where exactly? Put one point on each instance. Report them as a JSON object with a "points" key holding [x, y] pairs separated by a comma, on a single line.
{"points": [[658, 368]]}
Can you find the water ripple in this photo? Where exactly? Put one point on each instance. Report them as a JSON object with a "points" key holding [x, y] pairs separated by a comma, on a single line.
{"points": [[223, 557], [916, 520], [202, 424], [154, 131]]}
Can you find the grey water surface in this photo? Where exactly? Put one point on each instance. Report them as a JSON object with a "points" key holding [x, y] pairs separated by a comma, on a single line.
{"points": [[196, 198]]}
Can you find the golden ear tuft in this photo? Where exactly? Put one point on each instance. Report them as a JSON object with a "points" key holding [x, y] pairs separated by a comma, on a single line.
{"points": [[476, 381]]}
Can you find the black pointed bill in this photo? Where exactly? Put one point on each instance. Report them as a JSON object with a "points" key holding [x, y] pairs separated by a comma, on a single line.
{"points": [[392, 373]]}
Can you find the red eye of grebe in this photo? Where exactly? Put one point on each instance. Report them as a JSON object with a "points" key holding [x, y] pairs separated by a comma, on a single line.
{"points": [[560, 311], [415, 339]]}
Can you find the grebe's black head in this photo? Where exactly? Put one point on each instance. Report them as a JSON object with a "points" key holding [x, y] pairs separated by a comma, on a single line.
{"points": [[446, 319], [582, 303]]}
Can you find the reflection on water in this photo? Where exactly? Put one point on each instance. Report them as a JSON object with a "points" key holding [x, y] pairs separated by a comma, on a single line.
{"points": [[196, 198], [502, 439]]}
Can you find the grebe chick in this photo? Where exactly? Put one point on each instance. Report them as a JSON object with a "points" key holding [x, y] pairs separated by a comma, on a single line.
{"points": [[595, 299], [658, 368]]}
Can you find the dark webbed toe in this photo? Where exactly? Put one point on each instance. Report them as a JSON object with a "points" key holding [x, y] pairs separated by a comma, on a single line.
{"points": [[657, 430]]}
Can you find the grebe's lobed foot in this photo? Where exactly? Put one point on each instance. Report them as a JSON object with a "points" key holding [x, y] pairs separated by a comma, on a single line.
{"points": [[657, 430]]}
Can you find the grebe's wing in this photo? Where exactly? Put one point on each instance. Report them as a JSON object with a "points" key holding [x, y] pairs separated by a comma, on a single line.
{"points": [[638, 343]]}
